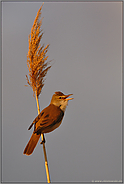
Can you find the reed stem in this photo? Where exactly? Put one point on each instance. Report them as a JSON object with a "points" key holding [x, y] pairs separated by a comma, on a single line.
{"points": [[44, 149]]}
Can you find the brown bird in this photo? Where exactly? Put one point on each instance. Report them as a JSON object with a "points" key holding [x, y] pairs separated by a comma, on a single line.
{"points": [[48, 120]]}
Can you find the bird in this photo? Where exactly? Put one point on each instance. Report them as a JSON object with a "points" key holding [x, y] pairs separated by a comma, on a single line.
{"points": [[48, 120]]}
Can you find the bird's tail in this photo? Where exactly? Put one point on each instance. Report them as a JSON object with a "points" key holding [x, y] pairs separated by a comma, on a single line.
{"points": [[31, 144]]}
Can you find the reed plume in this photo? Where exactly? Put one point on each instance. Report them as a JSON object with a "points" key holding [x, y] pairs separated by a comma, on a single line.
{"points": [[36, 58]]}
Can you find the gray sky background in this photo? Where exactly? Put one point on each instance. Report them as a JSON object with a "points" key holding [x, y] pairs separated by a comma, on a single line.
{"points": [[86, 47]]}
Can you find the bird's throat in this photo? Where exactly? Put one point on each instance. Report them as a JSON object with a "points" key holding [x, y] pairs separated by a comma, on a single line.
{"points": [[63, 105]]}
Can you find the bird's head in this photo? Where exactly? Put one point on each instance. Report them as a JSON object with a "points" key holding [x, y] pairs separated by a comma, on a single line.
{"points": [[60, 100]]}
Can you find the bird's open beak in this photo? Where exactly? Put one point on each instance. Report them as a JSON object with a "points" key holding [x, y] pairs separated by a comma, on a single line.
{"points": [[66, 97]]}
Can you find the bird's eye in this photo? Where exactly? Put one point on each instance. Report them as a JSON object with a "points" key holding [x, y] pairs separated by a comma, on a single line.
{"points": [[60, 97]]}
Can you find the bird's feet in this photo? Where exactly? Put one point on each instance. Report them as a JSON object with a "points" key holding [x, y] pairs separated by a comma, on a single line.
{"points": [[43, 141]]}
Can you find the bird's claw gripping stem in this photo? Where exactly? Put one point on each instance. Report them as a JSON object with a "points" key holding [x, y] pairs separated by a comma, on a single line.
{"points": [[43, 141]]}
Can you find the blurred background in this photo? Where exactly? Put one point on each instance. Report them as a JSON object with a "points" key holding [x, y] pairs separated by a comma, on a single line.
{"points": [[86, 48]]}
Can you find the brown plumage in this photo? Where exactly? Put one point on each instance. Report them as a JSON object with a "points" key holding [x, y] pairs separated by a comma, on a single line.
{"points": [[44, 123], [48, 120], [31, 144]]}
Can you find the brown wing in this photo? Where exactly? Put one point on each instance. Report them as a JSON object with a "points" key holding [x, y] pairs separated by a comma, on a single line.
{"points": [[49, 118], [36, 120]]}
